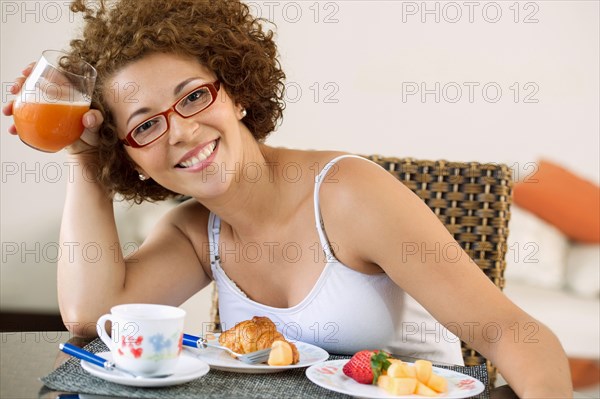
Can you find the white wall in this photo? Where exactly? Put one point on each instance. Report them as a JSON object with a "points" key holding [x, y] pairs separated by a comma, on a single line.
{"points": [[373, 58], [360, 57]]}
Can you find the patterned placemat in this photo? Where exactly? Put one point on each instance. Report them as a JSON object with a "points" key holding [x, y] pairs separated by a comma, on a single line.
{"points": [[71, 377]]}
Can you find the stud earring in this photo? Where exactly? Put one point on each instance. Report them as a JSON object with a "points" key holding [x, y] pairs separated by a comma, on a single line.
{"points": [[143, 177], [244, 113]]}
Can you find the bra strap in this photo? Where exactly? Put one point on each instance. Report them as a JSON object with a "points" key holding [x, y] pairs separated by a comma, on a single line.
{"points": [[318, 218], [214, 230]]}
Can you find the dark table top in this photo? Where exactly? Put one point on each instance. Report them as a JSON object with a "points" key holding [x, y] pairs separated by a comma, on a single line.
{"points": [[25, 357]]}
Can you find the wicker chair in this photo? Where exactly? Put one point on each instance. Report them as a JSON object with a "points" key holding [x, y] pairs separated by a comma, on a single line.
{"points": [[473, 201]]}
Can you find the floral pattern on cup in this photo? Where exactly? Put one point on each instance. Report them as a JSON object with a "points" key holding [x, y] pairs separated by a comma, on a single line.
{"points": [[131, 345]]}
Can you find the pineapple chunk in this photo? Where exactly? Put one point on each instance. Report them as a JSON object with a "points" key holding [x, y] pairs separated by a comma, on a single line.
{"points": [[402, 386], [403, 379], [281, 354], [393, 370], [401, 370], [424, 370], [424, 390], [437, 383], [383, 381], [409, 371]]}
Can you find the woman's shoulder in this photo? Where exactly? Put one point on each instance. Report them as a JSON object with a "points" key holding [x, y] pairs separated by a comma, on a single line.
{"points": [[352, 171], [190, 217], [353, 183], [310, 161]]}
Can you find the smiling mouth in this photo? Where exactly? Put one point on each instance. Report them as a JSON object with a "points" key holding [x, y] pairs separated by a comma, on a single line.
{"points": [[201, 156]]}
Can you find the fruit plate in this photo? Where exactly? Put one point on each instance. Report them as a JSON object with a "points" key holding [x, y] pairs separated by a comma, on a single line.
{"points": [[221, 360], [329, 375]]}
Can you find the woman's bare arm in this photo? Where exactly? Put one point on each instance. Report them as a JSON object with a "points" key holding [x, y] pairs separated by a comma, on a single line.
{"points": [[165, 269], [398, 233]]}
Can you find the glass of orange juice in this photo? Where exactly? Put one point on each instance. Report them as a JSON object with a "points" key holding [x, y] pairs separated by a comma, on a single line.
{"points": [[48, 110]]}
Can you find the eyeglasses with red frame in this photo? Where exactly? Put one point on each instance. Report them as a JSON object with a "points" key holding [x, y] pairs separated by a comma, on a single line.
{"points": [[190, 104]]}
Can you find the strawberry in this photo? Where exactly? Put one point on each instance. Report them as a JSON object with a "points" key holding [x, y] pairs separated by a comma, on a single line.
{"points": [[366, 366]]}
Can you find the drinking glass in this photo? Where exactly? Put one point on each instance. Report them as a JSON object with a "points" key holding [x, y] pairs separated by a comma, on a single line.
{"points": [[49, 108]]}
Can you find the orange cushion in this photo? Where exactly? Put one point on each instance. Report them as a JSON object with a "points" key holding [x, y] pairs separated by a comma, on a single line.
{"points": [[584, 372], [563, 199]]}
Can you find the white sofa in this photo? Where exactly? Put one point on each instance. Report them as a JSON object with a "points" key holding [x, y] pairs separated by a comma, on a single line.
{"points": [[556, 281]]}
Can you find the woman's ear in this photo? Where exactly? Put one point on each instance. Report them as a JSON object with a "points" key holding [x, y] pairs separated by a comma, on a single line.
{"points": [[142, 175], [241, 112]]}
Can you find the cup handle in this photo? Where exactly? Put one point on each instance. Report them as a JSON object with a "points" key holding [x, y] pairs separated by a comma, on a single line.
{"points": [[102, 334]]}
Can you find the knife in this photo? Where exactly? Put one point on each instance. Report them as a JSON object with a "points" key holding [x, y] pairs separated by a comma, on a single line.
{"points": [[92, 358]]}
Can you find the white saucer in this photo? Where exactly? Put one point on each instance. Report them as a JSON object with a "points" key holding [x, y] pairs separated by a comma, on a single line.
{"points": [[188, 368], [220, 360]]}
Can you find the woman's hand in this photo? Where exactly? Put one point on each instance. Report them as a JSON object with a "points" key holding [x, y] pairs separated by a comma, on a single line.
{"points": [[15, 89], [92, 119]]}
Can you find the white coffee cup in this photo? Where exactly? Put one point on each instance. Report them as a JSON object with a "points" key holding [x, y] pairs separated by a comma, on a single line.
{"points": [[146, 338]]}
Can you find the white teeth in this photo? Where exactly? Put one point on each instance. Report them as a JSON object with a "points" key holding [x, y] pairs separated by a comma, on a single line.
{"points": [[205, 153]]}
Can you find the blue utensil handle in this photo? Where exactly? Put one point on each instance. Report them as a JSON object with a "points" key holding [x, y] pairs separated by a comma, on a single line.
{"points": [[84, 355], [190, 340]]}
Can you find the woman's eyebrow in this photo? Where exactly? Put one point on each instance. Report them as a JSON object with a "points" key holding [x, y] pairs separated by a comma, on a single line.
{"points": [[181, 85], [137, 112], [176, 92]]}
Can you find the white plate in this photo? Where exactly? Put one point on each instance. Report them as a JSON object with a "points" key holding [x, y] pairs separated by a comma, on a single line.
{"points": [[221, 360], [329, 375], [188, 368]]}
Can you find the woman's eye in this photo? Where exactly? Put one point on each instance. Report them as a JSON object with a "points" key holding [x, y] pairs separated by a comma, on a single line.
{"points": [[195, 96], [144, 127]]}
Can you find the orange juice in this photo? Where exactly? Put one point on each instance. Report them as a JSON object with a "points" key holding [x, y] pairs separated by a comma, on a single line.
{"points": [[49, 127]]}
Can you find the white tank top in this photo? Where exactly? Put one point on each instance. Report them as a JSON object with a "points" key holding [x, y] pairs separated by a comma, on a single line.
{"points": [[346, 311]]}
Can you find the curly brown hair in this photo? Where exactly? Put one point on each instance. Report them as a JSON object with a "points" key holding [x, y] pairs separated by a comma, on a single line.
{"points": [[221, 34]]}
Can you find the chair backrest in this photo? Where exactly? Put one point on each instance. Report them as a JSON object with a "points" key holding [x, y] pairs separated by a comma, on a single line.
{"points": [[472, 200]]}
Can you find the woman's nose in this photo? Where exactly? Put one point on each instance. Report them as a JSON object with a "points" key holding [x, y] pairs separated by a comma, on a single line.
{"points": [[180, 129]]}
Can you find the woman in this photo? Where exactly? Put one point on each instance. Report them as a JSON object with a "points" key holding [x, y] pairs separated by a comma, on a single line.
{"points": [[187, 92]]}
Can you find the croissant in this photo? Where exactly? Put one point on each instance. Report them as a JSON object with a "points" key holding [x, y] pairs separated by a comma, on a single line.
{"points": [[254, 335]]}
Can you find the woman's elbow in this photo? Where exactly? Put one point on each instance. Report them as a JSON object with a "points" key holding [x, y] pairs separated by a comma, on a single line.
{"points": [[79, 325]]}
